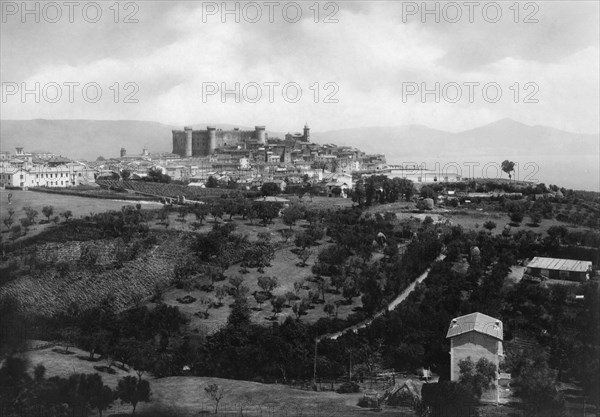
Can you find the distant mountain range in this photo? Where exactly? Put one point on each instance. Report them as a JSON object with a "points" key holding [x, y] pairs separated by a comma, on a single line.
{"points": [[504, 137], [569, 159]]}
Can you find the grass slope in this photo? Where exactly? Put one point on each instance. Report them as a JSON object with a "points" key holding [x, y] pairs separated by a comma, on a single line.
{"points": [[185, 396]]}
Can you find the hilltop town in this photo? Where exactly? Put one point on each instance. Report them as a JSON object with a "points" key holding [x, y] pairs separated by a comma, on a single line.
{"points": [[249, 158]]}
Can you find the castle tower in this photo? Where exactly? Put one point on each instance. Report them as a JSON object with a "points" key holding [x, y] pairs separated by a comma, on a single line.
{"points": [[306, 132], [188, 141], [212, 139], [123, 152], [260, 134]]}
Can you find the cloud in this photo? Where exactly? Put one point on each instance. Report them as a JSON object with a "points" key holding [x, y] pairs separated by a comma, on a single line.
{"points": [[369, 54]]}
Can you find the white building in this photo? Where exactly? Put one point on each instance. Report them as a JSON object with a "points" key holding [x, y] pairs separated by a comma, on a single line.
{"points": [[68, 175], [420, 175]]}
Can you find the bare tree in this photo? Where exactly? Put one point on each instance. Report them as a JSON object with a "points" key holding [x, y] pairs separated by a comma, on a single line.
{"points": [[216, 393]]}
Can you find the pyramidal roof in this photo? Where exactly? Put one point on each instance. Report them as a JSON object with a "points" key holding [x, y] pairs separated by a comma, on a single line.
{"points": [[476, 322]]}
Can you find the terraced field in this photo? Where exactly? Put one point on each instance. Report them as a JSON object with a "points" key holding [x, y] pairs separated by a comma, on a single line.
{"points": [[47, 292], [163, 190]]}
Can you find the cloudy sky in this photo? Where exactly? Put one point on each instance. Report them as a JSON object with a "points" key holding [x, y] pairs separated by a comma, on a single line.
{"points": [[366, 57]]}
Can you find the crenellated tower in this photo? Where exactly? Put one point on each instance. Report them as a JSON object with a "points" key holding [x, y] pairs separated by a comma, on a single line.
{"points": [[260, 134], [188, 141], [212, 139]]}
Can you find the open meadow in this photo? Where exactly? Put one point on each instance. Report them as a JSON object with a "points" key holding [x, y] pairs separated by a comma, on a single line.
{"points": [[473, 218], [79, 206], [184, 396]]}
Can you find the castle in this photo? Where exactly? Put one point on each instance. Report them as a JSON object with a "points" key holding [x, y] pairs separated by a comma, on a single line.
{"points": [[189, 143], [196, 143]]}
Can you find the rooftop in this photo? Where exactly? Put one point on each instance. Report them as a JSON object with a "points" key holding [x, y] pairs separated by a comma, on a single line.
{"points": [[476, 322], [58, 160], [560, 264], [271, 199]]}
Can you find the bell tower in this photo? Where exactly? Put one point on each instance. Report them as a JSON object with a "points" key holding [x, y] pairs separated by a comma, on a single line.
{"points": [[306, 132]]}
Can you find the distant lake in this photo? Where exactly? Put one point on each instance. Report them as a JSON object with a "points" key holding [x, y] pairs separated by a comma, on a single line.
{"points": [[580, 172]]}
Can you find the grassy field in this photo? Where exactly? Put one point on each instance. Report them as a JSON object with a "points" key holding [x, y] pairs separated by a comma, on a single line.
{"points": [[283, 267], [470, 219], [474, 220], [321, 203], [79, 206], [185, 396]]}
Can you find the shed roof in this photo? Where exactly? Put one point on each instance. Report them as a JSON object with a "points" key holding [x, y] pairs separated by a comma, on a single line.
{"points": [[476, 322], [570, 265]]}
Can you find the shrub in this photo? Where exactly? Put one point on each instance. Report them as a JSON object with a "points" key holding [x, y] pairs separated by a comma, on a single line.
{"points": [[516, 217], [489, 225], [348, 388], [368, 402], [188, 299], [477, 377]]}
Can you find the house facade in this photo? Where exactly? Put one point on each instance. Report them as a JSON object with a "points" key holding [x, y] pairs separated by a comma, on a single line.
{"points": [[67, 175], [476, 336]]}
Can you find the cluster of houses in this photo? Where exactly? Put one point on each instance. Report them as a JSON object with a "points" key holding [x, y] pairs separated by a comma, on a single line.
{"points": [[42, 169], [282, 162]]}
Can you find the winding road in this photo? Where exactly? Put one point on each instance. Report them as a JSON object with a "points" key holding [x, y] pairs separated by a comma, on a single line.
{"points": [[391, 306]]}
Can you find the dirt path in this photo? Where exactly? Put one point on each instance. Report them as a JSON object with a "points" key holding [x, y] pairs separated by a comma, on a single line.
{"points": [[391, 306]]}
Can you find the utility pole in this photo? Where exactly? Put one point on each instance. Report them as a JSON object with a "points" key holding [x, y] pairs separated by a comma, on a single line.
{"points": [[315, 366]]}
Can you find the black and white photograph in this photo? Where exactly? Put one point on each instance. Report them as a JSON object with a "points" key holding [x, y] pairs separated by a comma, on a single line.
{"points": [[303, 208]]}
